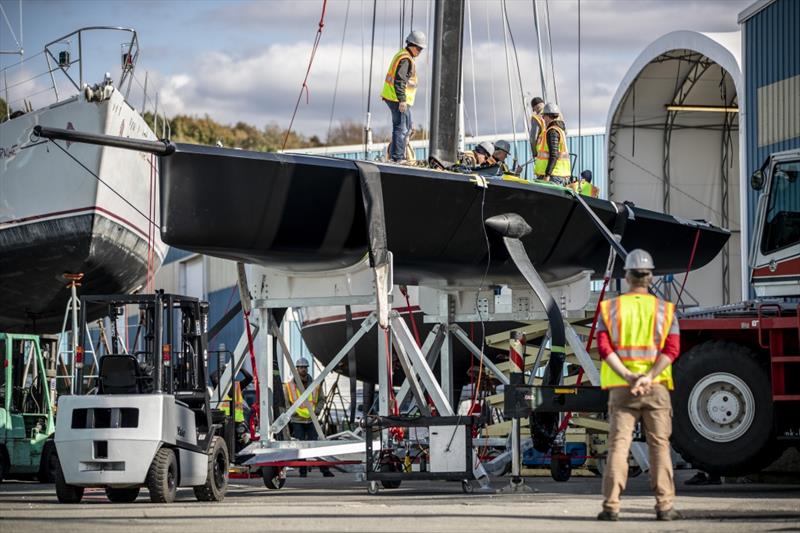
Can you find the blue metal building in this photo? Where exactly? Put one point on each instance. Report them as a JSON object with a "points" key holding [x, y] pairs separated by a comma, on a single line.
{"points": [[771, 110]]}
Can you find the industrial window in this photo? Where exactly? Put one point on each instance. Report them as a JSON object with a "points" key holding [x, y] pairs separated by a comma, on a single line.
{"points": [[782, 223]]}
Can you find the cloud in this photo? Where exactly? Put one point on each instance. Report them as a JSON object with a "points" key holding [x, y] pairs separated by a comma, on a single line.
{"points": [[258, 81]]}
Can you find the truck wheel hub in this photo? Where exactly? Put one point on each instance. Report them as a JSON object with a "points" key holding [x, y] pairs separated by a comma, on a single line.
{"points": [[721, 407]]}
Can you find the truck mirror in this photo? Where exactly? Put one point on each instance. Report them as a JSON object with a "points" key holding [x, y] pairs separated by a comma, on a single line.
{"points": [[757, 180]]}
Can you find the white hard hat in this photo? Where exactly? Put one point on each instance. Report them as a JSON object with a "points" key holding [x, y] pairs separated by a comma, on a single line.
{"points": [[417, 38], [638, 259], [486, 147], [302, 362], [551, 109]]}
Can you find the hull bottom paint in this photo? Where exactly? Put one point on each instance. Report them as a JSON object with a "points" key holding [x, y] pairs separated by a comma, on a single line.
{"points": [[34, 294]]}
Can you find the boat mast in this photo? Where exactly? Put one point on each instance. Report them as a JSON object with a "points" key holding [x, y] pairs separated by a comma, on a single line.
{"points": [[448, 34]]}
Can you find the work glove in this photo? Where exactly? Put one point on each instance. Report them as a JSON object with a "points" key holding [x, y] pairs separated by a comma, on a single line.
{"points": [[402, 107]]}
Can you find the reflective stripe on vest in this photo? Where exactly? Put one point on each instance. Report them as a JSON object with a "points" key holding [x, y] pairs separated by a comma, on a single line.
{"points": [[388, 92], [638, 325], [304, 411], [562, 166], [238, 406]]}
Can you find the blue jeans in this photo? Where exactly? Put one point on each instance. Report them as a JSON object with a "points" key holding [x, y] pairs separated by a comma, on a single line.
{"points": [[401, 127]]}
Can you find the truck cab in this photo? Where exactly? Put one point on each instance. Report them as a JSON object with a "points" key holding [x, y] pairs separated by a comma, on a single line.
{"points": [[775, 246]]}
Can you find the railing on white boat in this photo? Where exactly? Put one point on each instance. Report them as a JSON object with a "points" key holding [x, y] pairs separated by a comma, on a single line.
{"points": [[58, 59]]}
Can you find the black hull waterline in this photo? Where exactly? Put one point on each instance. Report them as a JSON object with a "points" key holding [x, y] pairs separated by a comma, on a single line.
{"points": [[306, 214]]}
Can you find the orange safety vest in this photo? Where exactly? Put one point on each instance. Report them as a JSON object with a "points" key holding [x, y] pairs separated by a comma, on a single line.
{"points": [[638, 325], [562, 166], [305, 409], [388, 92]]}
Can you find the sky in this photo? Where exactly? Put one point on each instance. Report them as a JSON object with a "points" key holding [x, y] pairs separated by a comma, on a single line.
{"points": [[246, 60]]}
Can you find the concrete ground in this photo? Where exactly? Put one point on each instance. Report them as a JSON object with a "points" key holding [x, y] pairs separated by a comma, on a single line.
{"points": [[342, 504]]}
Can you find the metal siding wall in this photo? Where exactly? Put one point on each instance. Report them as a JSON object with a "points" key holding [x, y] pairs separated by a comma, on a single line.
{"points": [[218, 304], [772, 54], [588, 147]]}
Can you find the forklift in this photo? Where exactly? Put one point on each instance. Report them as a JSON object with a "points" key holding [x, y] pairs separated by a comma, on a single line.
{"points": [[147, 420], [26, 411]]}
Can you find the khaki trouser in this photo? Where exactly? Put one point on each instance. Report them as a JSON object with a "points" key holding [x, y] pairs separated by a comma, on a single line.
{"points": [[655, 410]]}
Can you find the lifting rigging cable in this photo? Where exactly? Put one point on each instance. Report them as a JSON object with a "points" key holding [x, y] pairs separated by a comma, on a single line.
{"points": [[368, 126], [472, 62], [304, 87], [338, 71]]}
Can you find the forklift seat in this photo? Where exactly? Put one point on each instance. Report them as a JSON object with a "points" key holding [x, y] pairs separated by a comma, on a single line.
{"points": [[119, 374]]}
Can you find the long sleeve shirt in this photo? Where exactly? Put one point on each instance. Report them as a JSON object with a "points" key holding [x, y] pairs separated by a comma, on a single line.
{"points": [[553, 140], [401, 77]]}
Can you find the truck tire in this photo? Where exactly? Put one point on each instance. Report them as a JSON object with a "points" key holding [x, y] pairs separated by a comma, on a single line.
{"points": [[162, 478], [124, 495], [65, 492], [216, 484], [722, 410], [49, 463]]}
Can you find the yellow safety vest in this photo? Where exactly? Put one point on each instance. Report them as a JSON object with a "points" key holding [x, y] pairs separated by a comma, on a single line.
{"points": [[562, 166], [587, 189], [388, 92], [238, 404], [305, 409], [539, 120], [638, 325]]}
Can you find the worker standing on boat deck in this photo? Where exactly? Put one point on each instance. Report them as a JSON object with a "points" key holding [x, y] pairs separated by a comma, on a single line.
{"points": [[638, 339], [302, 427], [480, 156], [399, 90], [552, 158], [537, 121]]}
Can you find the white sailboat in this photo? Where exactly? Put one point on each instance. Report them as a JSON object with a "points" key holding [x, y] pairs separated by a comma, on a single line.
{"points": [[75, 208]]}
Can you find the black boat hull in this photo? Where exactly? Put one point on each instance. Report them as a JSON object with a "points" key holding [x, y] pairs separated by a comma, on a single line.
{"points": [[305, 213], [33, 291]]}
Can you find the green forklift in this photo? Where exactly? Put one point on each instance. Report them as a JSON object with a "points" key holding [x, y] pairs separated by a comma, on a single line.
{"points": [[27, 424]]}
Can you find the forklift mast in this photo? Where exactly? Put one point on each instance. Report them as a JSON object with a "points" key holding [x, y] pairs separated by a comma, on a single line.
{"points": [[169, 343]]}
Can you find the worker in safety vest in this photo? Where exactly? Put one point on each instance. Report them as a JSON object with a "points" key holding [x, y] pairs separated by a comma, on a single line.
{"points": [[302, 426], [537, 121], [480, 156], [552, 158], [399, 90], [584, 185], [502, 149], [638, 339]]}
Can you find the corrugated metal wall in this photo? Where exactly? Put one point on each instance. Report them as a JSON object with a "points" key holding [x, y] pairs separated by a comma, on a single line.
{"points": [[772, 85], [588, 148]]}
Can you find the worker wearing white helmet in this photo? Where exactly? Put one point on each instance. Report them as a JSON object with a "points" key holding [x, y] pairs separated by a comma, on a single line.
{"points": [[480, 156], [302, 426], [638, 339], [399, 91], [552, 157]]}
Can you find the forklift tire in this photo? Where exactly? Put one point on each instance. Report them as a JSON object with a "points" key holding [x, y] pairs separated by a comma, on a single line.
{"points": [[273, 478], [3, 463], [126, 495], [49, 463], [67, 493], [162, 478], [217, 479], [722, 410]]}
